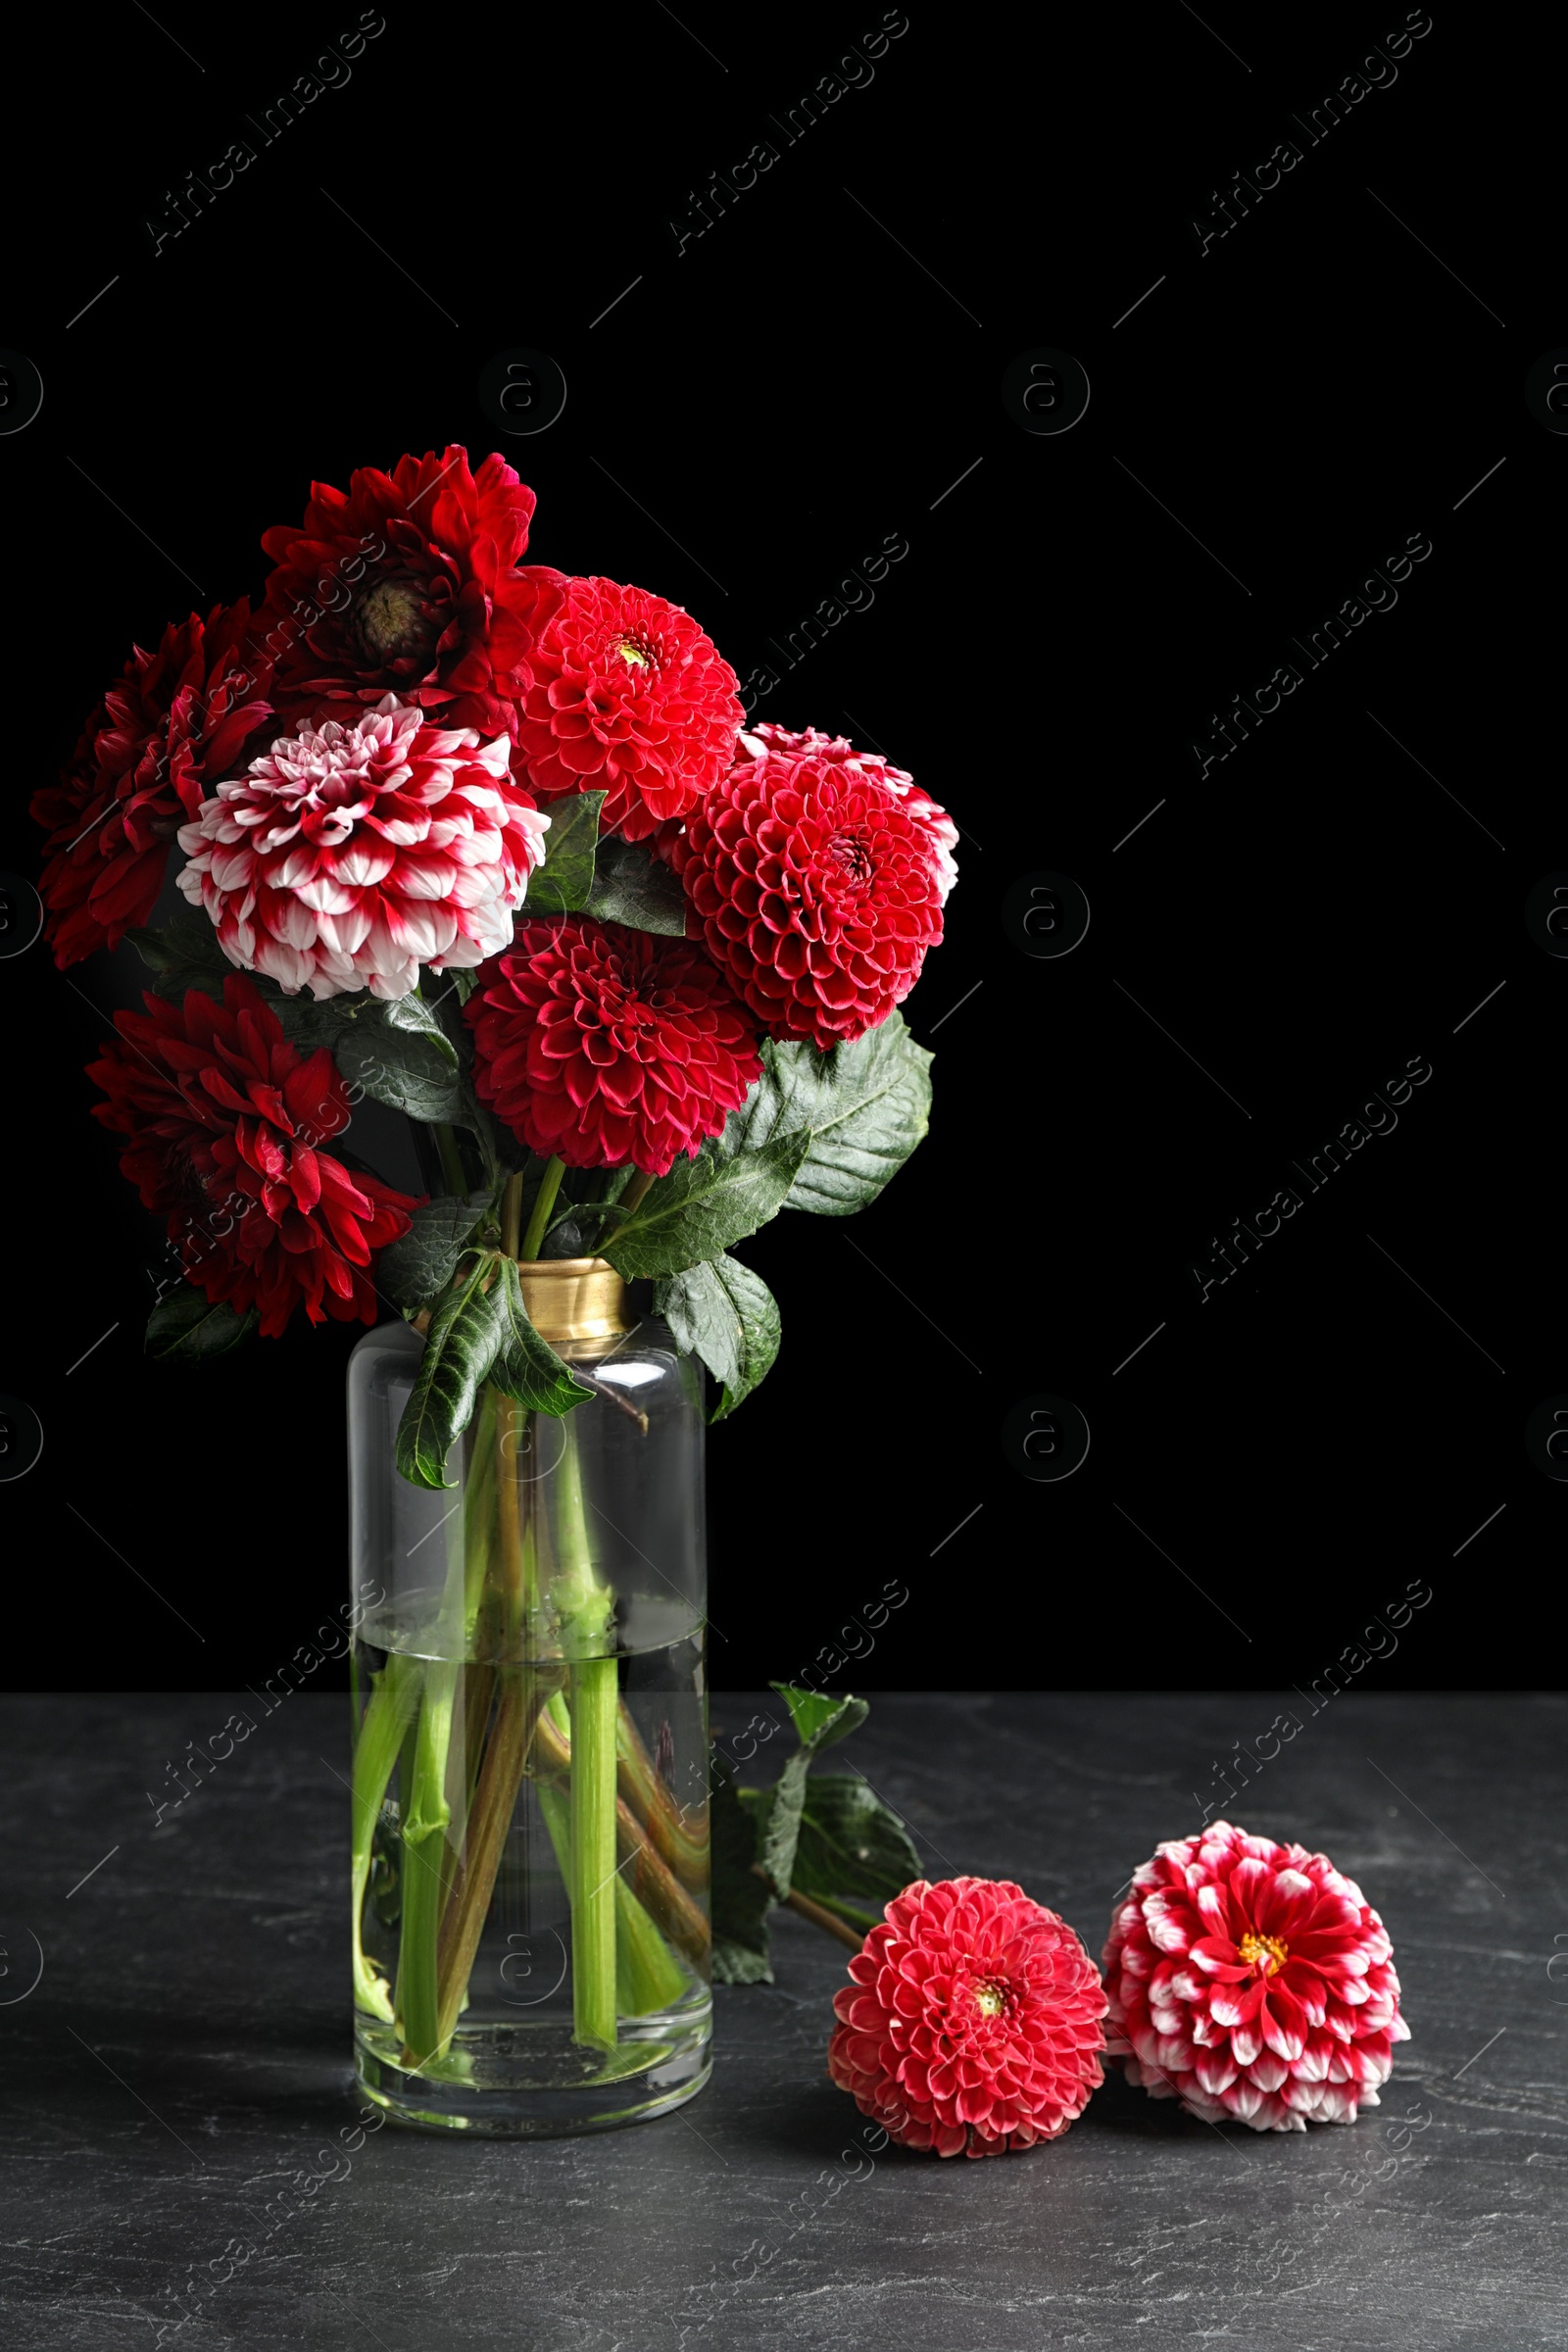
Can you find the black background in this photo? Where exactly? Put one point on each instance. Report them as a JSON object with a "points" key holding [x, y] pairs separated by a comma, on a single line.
{"points": [[1283, 1458]]}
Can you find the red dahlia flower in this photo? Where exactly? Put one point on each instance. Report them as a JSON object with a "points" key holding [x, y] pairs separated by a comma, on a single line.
{"points": [[172, 723], [898, 780], [409, 583], [224, 1119], [603, 1045], [972, 2025], [1249, 1980], [349, 855], [816, 887], [628, 695]]}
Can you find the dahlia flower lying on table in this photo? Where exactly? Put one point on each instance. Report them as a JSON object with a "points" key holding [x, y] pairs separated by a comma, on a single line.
{"points": [[494, 846]]}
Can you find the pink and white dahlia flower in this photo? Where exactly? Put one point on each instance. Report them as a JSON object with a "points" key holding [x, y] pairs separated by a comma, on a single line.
{"points": [[1250, 1980], [812, 744], [350, 853]]}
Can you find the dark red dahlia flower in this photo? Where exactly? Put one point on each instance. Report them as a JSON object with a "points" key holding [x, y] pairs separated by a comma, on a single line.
{"points": [[603, 1045], [169, 726], [628, 695], [816, 888], [1251, 1982], [409, 583], [972, 2023], [784, 742], [225, 1119]]}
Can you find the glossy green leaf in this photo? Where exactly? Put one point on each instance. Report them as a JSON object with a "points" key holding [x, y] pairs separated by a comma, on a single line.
{"points": [[186, 1326], [703, 1205], [183, 953], [864, 1107], [821, 1723], [850, 1843], [562, 883], [414, 1015], [725, 1314], [415, 1270], [632, 886], [740, 1899], [468, 1330], [526, 1368]]}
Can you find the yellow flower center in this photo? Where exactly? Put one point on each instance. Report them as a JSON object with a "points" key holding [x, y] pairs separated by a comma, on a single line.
{"points": [[1270, 1952], [636, 656], [990, 1999]]}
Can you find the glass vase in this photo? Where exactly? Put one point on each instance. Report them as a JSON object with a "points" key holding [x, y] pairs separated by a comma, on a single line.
{"points": [[530, 1911]]}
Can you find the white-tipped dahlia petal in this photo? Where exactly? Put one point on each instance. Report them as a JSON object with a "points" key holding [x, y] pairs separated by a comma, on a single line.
{"points": [[359, 883], [1282, 2005]]}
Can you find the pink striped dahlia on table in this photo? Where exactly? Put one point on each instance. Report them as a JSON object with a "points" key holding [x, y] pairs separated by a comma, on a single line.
{"points": [[1253, 1982]]}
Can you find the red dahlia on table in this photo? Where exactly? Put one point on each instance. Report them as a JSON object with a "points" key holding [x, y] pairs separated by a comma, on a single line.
{"points": [[224, 1120], [972, 2022], [350, 853], [172, 722], [628, 696], [815, 886], [603, 1045], [1249, 1980], [409, 583]]}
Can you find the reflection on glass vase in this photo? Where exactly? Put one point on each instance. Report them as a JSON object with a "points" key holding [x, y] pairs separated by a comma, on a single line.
{"points": [[530, 1769]]}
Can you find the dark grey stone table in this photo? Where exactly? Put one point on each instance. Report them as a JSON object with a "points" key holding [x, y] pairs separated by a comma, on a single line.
{"points": [[176, 2085]]}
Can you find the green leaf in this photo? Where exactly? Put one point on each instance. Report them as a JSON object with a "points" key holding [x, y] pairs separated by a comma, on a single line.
{"points": [[740, 1900], [417, 1269], [850, 1843], [185, 954], [400, 1066], [633, 885], [821, 1721], [413, 1014], [527, 1367], [702, 1205], [864, 1107], [561, 884], [186, 1326], [821, 1724], [724, 1314], [466, 1331]]}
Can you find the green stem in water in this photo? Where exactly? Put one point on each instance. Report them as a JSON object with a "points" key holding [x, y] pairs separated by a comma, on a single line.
{"points": [[544, 1201], [584, 1606], [393, 1700], [446, 1144], [594, 1881], [648, 1976], [427, 1871]]}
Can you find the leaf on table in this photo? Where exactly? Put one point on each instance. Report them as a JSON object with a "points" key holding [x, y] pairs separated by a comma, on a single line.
{"points": [[821, 1723], [186, 1326], [725, 1314], [740, 1900], [850, 1844], [703, 1205]]}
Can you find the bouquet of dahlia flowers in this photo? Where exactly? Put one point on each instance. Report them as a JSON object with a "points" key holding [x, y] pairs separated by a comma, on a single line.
{"points": [[492, 845]]}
